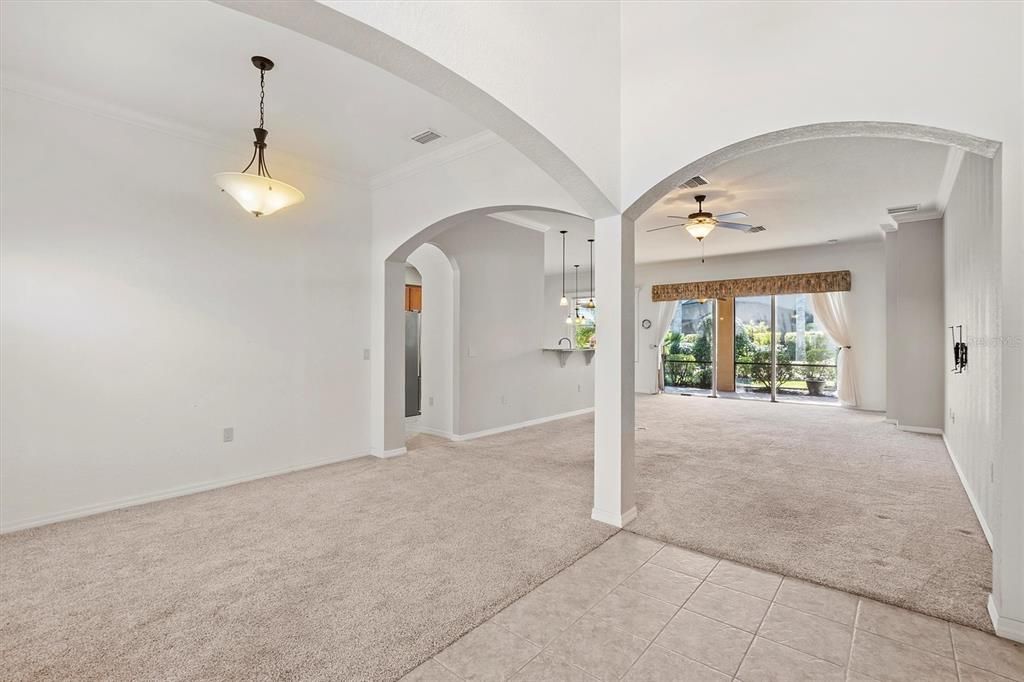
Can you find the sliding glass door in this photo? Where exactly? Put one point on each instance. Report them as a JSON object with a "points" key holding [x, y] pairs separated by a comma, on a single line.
{"points": [[807, 356], [686, 360], [804, 356], [779, 351], [752, 346]]}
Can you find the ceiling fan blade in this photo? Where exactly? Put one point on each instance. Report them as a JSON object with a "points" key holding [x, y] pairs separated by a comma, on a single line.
{"points": [[655, 229], [734, 226], [727, 216]]}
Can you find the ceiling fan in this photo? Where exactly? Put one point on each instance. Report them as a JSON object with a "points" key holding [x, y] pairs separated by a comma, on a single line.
{"points": [[701, 223]]}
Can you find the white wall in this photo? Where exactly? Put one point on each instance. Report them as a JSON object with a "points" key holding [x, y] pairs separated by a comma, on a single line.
{"points": [[864, 260], [918, 337], [144, 311], [437, 340], [971, 246], [795, 63], [504, 376]]}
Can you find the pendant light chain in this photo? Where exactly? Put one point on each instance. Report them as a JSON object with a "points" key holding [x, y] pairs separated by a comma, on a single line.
{"points": [[263, 73]]}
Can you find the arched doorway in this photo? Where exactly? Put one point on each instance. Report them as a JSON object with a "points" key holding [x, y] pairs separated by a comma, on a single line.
{"points": [[388, 378], [1006, 555]]}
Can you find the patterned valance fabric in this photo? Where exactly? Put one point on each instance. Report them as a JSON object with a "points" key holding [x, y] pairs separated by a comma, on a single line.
{"points": [[805, 283]]}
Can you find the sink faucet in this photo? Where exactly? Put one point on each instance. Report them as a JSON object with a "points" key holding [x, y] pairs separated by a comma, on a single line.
{"points": [[567, 340]]}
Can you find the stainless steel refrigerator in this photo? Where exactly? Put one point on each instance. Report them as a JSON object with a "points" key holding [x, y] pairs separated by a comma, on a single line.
{"points": [[412, 363]]}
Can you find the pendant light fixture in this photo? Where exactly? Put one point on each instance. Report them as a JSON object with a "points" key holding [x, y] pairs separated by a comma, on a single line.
{"points": [[564, 302], [590, 302], [578, 319], [259, 193], [570, 316]]}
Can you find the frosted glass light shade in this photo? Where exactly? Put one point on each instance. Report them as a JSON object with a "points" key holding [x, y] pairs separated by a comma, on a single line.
{"points": [[564, 302], [700, 227], [259, 194]]}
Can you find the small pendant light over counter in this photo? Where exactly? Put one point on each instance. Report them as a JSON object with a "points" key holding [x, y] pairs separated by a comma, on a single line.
{"points": [[564, 302], [259, 193], [578, 318], [590, 302]]}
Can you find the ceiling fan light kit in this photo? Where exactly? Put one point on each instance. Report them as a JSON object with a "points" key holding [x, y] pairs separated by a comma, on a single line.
{"points": [[702, 223], [259, 193]]}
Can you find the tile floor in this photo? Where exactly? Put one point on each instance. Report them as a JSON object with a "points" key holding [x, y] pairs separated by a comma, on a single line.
{"points": [[635, 609]]}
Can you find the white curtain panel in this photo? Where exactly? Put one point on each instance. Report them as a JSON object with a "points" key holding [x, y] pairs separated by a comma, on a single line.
{"points": [[831, 313], [666, 311]]}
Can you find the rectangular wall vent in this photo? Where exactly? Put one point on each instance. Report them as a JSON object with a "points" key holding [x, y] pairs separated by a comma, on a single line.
{"points": [[426, 136], [756, 228], [694, 182], [897, 210]]}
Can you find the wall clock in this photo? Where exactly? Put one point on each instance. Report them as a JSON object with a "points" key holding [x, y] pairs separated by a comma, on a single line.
{"points": [[646, 324]]}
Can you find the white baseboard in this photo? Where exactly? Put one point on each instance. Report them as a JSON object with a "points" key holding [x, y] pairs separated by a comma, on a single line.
{"points": [[920, 429], [181, 491], [520, 425], [1008, 628], [387, 454], [970, 495], [613, 519], [430, 431], [889, 421]]}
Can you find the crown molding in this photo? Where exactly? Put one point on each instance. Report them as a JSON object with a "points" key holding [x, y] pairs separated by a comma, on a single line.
{"points": [[61, 97], [447, 154], [514, 219]]}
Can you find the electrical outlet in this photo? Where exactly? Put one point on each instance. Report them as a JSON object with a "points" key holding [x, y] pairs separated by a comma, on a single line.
{"points": [[503, 400], [992, 472], [579, 388], [430, 401], [366, 354], [229, 434]]}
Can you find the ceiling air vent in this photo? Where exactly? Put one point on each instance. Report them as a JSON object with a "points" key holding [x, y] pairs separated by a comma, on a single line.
{"points": [[898, 210], [694, 182], [756, 228], [426, 136]]}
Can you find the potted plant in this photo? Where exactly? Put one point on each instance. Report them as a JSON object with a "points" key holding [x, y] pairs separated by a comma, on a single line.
{"points": [[815, 372]]}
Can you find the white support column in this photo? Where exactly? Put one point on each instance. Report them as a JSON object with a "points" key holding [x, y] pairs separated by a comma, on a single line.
{"points": [[614, 417], [387, 361], [1006, 605]]}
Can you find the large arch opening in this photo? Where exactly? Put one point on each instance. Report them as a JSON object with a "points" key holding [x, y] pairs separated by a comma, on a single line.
{"points": [[971, 180], [494, 318]]}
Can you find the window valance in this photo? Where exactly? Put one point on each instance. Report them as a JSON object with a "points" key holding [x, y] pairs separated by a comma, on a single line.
{"points": [[804, 283]]}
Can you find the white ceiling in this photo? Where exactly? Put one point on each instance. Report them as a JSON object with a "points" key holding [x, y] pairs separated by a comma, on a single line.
{"points": [[188, 63], [804, 193]]}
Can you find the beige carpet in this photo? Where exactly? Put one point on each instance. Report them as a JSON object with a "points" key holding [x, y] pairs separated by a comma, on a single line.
{"points": [[829, 495], [355, 571], [362, 570]]}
